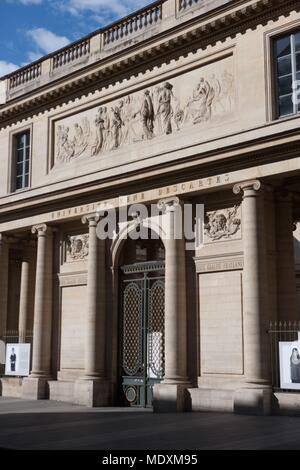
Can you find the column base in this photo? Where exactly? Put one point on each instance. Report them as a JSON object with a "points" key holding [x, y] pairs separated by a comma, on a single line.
{"points": [[253, 401], [92, 393], [35, 388], [11, 387], [170, 398]]}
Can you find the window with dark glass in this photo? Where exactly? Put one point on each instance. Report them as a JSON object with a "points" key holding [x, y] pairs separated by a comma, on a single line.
{"points": [[287, 56], [22, 160]]}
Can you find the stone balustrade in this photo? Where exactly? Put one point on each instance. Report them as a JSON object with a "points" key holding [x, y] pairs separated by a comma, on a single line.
{"points": [[69, 54], [25, 75], [186, 4], [133, 24]]}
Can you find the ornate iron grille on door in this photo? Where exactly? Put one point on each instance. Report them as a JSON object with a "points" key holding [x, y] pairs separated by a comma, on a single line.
{"points": [[143, 333]]}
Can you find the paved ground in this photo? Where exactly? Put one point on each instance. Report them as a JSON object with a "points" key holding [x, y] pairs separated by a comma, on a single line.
{"points": [[47, 425]]}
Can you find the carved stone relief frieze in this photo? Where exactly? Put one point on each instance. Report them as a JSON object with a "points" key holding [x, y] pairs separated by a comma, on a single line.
{"points": [[225, 224], [197, 98], [77, 248]]}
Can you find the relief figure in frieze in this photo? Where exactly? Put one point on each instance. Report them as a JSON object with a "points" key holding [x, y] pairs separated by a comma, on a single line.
{"points": [[127, 116], [147, 115], [106, 130], [81, 137], [100, 132], [165, 110], [144, 115], [198, 108], [116, 127], [65, 148]]}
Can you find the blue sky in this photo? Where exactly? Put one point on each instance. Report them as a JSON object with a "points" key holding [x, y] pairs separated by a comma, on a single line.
{"points": [[33, 28]]}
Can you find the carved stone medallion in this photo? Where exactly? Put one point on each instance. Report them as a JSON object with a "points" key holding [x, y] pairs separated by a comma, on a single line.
{"points": [[77, 248], [223, 224]]}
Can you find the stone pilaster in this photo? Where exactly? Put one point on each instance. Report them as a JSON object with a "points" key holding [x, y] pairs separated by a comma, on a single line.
{"points": [[169, 395], [93, 389], [255, 398], [286, 275], [4, 256], [35, 387]]}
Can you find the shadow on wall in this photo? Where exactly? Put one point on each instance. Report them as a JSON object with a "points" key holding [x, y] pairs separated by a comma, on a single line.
{"points": [[297, 245], [297, 261], [286, 404]]}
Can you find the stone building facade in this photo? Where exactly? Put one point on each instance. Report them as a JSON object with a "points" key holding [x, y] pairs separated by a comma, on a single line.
{"points": [[183, 102]]}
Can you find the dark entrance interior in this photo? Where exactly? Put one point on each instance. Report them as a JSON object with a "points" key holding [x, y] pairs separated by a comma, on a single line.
{"points": [[142, 335]]}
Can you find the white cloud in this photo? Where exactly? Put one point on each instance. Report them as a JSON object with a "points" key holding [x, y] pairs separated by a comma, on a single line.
{"points": [[46, 41], [30, 2], [7, 67], [105, 7], [34, 55], [26, 2]]}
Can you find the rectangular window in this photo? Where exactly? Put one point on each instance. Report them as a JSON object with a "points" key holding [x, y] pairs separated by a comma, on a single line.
{"points": [[287, 56], [22, 160]]}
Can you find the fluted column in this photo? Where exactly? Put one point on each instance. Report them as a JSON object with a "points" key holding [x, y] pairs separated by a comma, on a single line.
{"points": [[4, 255], [175, 294], [41, 355], [254, 302], [24, 299], [95, 314], [286, 287], [169, 395], [94, 389]]}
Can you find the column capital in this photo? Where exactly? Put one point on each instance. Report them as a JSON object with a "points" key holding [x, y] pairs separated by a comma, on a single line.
{"points": [[253, 186], [40, 230], [91, 219], [169, 204]]}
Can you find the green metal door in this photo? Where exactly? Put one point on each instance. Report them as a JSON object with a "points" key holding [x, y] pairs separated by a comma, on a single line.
{"points": [[143, 331]]}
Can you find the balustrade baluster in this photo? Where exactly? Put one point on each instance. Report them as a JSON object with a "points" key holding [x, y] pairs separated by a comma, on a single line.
{"points": [[130, 26], [151, 17]]}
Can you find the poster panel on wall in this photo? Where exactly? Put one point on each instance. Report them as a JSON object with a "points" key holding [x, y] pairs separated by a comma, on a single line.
{"points": [[17, 360], [289, 361]]}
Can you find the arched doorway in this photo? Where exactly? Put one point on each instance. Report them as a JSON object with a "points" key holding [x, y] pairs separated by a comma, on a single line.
{"points": [[142, 320]]}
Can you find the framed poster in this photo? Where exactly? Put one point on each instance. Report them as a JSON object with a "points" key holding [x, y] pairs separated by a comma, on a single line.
{"points": [[289, 361], [17, 360]]}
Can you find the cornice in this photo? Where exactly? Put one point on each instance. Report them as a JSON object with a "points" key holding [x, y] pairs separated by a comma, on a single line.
{"points": [[188, 36], [236, 158]]}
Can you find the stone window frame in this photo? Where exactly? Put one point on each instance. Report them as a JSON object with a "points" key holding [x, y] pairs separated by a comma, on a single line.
{"points": [[294, 71], [270, 70], [12, 159]]}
